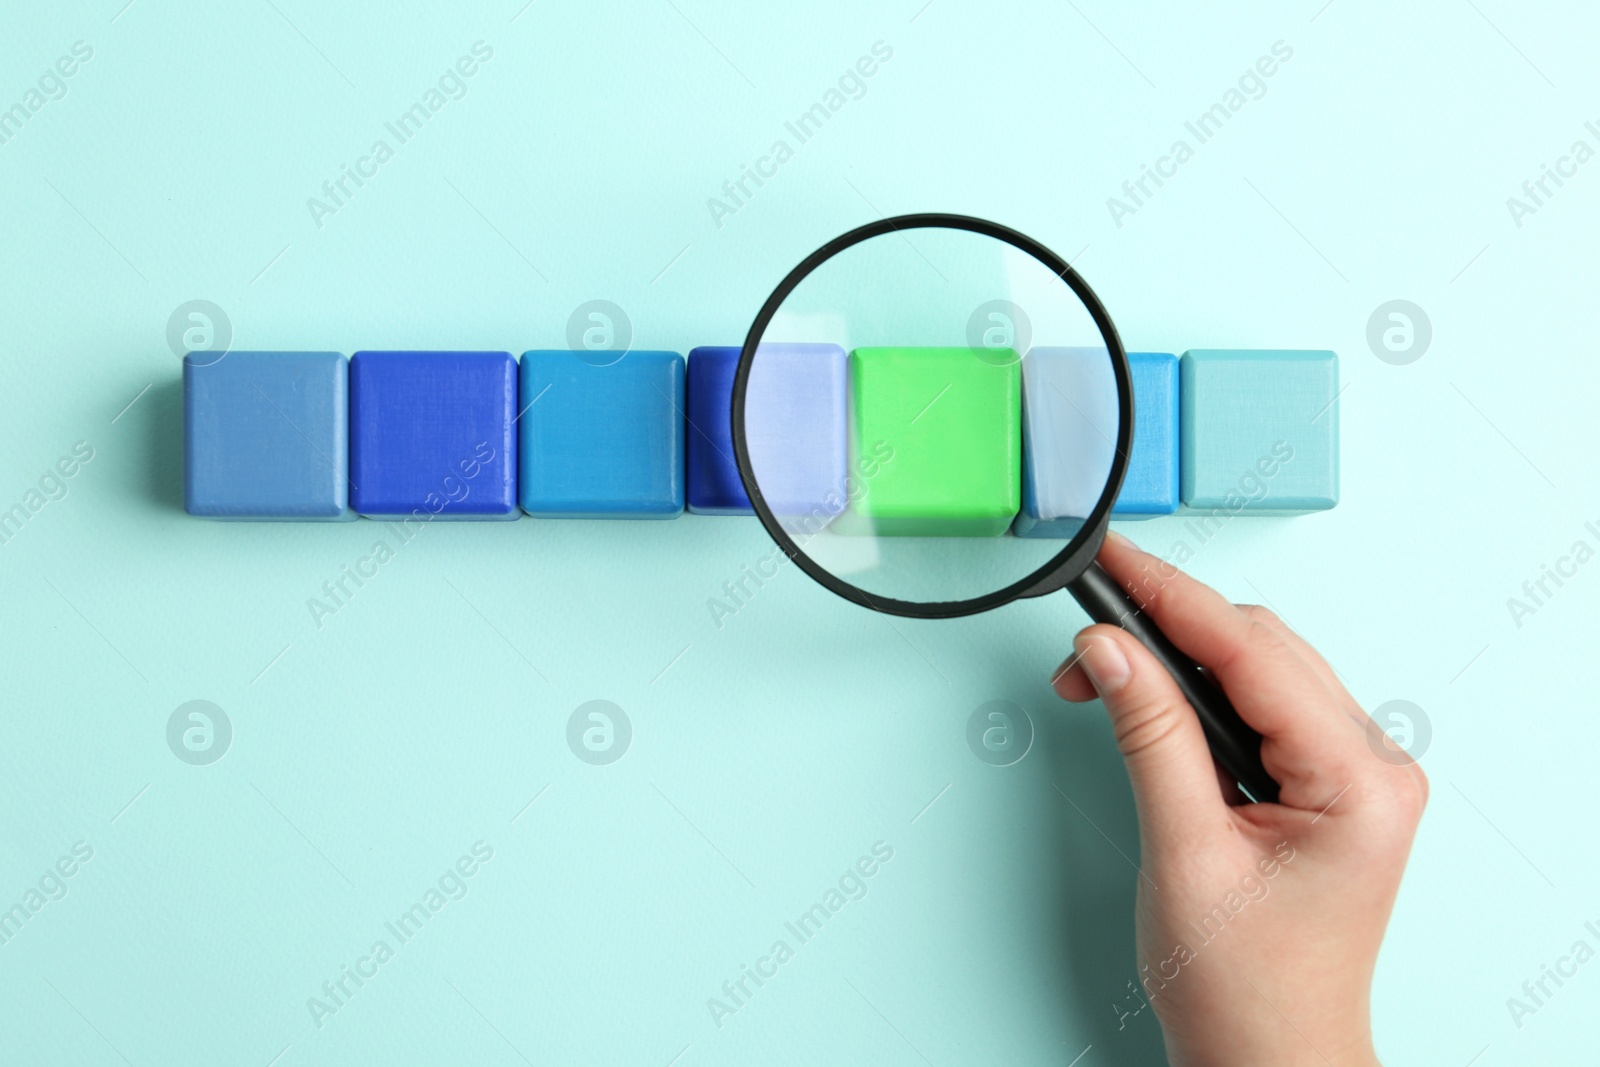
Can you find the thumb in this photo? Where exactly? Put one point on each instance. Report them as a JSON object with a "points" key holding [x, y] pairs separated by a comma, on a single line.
{"points": [[1174, 780]]}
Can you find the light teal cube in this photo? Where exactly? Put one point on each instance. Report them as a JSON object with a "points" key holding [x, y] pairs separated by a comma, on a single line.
{"points": [[1260, 430]]}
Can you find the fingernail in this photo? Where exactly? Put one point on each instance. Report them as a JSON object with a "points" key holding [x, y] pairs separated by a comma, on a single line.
{"points": [[1104, 663], [1117, 539], [1059, 677]]}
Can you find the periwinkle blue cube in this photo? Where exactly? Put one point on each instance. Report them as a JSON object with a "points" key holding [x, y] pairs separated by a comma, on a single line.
{"points": [[265, 436], [1260, 430], [795, 426], [602, 440], [1069, 428], [432, 435]]}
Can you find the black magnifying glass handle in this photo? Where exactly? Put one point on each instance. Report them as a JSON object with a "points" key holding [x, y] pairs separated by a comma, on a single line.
{"points": [[1234, 744]]}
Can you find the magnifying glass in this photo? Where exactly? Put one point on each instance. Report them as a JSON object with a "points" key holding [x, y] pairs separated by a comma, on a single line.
{"points": [[932, 417]]}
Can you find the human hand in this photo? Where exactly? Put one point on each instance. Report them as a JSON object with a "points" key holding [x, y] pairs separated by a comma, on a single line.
{"points": [[1257, 925]]}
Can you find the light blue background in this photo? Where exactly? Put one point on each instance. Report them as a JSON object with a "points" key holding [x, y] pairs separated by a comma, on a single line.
{"points": [[769, 753]]}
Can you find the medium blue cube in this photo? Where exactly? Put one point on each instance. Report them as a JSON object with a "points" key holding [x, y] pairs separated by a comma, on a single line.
{"points": [[1069, 429], [1260, 431], [1152, 484], [432, 435], [602, 441], [265, 436], [795, 426]]}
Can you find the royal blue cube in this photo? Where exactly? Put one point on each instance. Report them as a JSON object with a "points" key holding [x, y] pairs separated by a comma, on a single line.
{"points": [[1070, 420], [795, 426], [432, 435], [602, 440], [713, 485], [265, 436], [1260, 431]]}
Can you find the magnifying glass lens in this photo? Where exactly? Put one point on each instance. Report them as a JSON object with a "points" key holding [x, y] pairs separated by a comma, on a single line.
{"points": [[912, 396]]}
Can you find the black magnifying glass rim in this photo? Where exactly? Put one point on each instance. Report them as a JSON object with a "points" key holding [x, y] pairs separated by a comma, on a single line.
{"points": [[1060, 568]]}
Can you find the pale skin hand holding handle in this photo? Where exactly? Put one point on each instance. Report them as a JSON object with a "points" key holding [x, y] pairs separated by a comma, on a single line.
{"points": [[1258, 925]]}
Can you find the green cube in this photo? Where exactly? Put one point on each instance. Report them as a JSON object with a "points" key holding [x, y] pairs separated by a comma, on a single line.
{"points": [[942, 430]]}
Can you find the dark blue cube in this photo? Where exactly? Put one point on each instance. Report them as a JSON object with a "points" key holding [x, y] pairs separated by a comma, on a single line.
{"points": [[714, 487], [795, 419], [432, 435]]}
